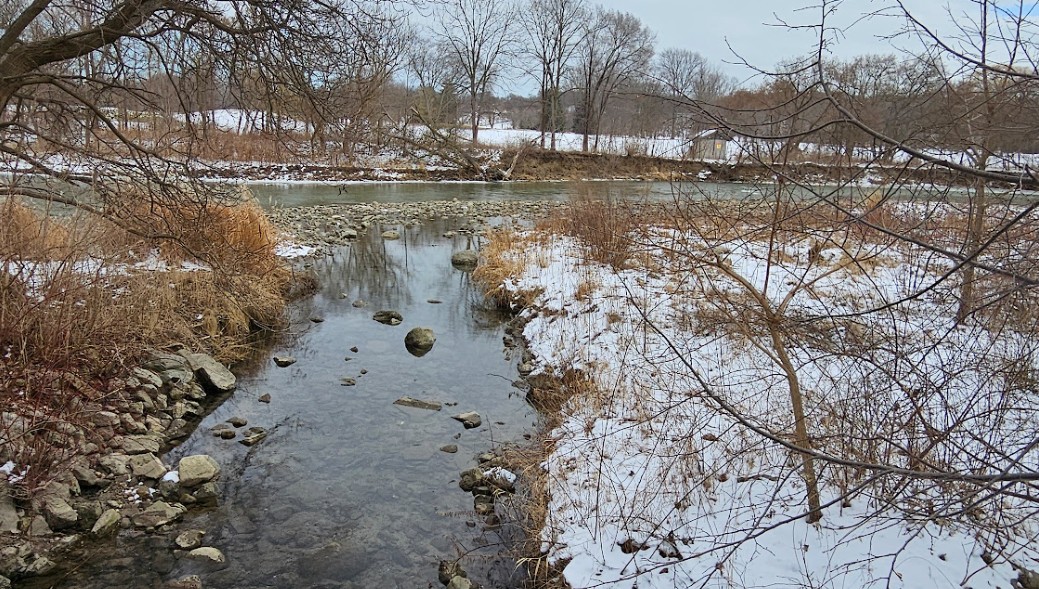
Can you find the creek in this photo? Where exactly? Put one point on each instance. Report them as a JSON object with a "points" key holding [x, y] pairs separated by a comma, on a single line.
{"points": [[348, 489]]}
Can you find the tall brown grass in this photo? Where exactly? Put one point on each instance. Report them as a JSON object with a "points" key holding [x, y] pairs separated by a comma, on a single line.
{"points": [[81, 299]]}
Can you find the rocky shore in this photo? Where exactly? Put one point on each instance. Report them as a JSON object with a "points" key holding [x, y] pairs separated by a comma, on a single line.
{"points": [[113, 477], [333, 225]]}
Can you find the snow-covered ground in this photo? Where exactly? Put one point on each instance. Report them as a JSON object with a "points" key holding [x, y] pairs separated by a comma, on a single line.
{"points": [[653, 482]]}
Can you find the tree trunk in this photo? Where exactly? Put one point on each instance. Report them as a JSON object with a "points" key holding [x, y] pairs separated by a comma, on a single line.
{"points": [[815, 512], [975, 233]]}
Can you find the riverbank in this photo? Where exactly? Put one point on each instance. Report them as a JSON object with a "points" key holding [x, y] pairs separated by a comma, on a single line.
{"points": [[670, 351], [539, 165]]}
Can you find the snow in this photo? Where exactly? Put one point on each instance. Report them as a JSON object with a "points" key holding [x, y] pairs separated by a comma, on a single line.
{"points": [[290, 250], [10, 469], [653, 484], [172, 476]]}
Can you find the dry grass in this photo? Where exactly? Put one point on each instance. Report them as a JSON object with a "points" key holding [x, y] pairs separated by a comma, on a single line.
{"points": [[501, 261], [75, 308]]}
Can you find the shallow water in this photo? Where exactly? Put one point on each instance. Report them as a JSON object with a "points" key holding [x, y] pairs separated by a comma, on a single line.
{"points": [[350, 490]]}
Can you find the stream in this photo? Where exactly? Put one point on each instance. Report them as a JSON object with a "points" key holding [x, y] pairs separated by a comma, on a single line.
{"points": [[350, 490]]}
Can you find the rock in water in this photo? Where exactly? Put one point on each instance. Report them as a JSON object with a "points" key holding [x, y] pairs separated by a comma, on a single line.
{"points": [[391, 234], [158, 514], [213, 375], [283, 361], [198, 469], [469, 419], [465, 259], [419, 341], [254, 436], [208, 553], [388, 317], [418, 403]]}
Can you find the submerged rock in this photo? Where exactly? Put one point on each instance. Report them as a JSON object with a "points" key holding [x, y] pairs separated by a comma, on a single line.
{"points": [[388, 317], [419, 403], [209, 554], [283, 361]]}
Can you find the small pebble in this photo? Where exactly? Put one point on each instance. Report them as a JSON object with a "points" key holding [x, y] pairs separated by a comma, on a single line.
{"points": [[265, 398]]}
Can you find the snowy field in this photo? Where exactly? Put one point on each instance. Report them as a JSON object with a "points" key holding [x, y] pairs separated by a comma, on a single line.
{"points": [[661, 479]]}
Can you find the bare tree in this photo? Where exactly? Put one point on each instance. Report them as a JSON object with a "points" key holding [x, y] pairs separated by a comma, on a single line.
{"points": [[554, 29], [686, 76], [478, 35], [616, 48], [67, 68]]}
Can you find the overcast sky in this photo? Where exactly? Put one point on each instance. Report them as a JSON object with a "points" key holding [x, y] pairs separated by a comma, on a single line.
{"points": [[751, 27]]}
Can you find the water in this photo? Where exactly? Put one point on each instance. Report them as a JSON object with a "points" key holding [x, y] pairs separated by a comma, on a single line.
{"points": [[307, 194], [350, 490]]}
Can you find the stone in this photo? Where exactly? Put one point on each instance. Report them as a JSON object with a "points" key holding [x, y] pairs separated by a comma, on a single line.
{"points": [[189, 582], [418, 404], [209, 554], [59, 514], [197, 469], [38, 565], [391, 234], [5, 583], [146, 444], [105, 419], [189, 539], [238, 421], [158, 514], [254, 436], [469, 419], [283, 361], [265, 398], [450, 449], [359, 303], [8, 510], [88, 478], [206, 494], [147, 466], [465, 259], [449, 569], [470, 479], [107, 523], [213, 375], [460, 583], [347, 382], [419, 341], [223, 430], [147, 377], [317, 319], [388, 317], [38, 527]]}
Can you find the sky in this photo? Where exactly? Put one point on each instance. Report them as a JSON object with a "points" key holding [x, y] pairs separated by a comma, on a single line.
{"points": [[724, 31]]}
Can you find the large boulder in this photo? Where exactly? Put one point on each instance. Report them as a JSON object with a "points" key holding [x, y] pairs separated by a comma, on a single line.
{"points": [[196, 470], [419, 341], [214, 376]]}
